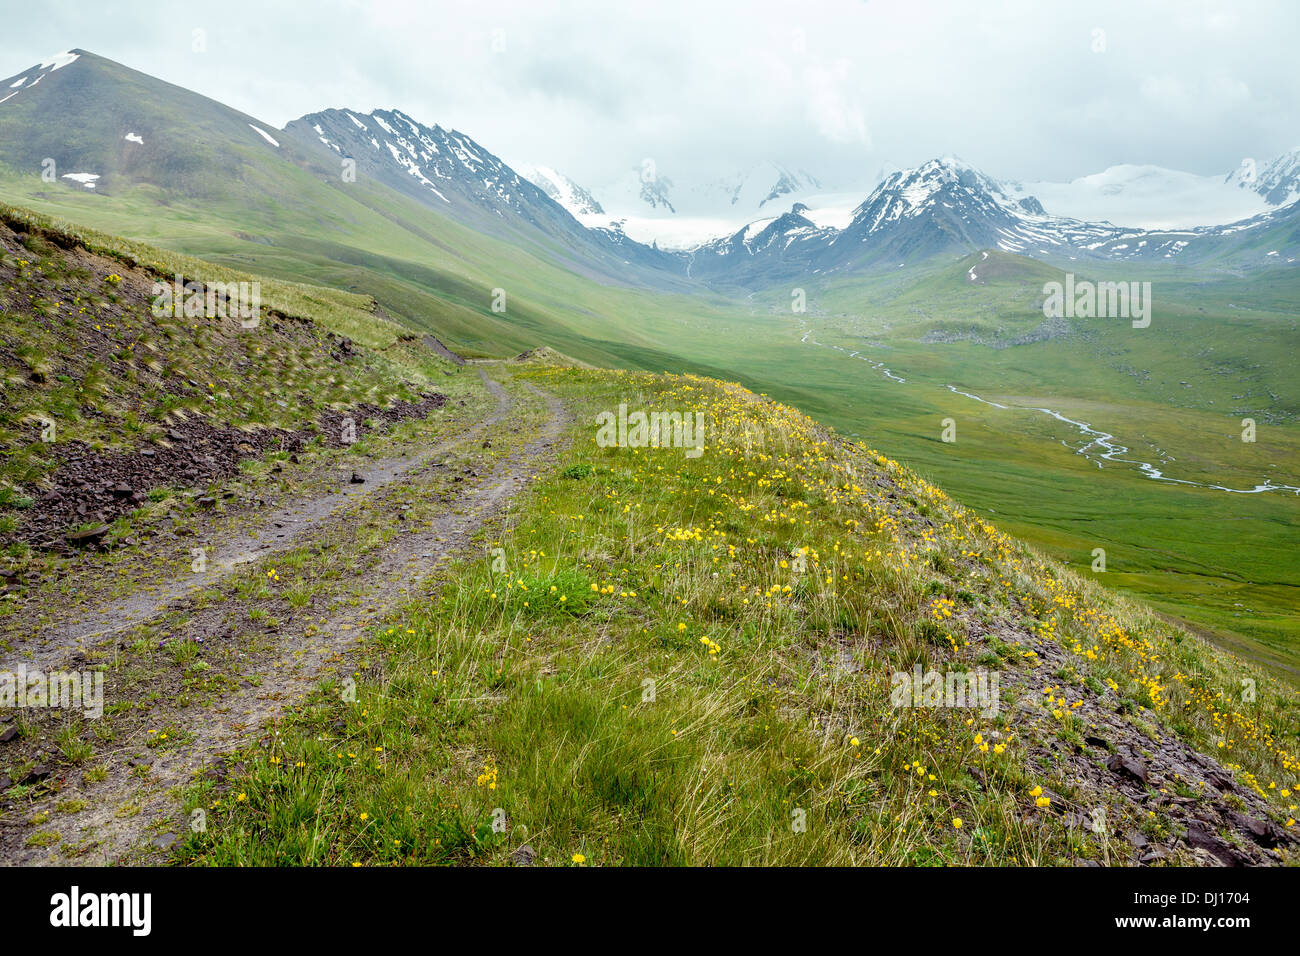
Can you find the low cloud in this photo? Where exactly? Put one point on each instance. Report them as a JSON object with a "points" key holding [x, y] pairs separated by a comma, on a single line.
{"points": [[840, 87]]}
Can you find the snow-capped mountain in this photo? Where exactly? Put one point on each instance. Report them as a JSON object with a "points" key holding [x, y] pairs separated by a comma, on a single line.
{"points": [[1149, 204], [639, 190], [777, 233], [429, 161], [31, 78], [753, 189], [682, 212], [1278, 182], [764, 251], [942, 205], [745, 192], [950, 204], [449, 171], [763, 226], [955, 200], [1150, 197], [577, 200], [1153, 197], [946, 206]]}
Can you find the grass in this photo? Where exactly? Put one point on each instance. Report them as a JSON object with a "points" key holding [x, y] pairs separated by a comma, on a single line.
{"points": [[343, 313], [690, 661], [1020, 467], [93, 364]]}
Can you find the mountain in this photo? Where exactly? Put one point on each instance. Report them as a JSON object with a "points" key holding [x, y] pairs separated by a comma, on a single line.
{"points": [[945, 202], [685, 211], [1268, 239], [652, 189], [186, 172], [113, 132], [574, 198], [942, 206], [94, 123], [744, 192], [1278, 182], [947, 207], [103, 128], [755, 188], [764, 252], [1154, 197], [449, 171], [1150, 197]]}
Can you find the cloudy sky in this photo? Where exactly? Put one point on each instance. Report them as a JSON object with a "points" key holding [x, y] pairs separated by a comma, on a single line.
{"points": [[1024, 89]]}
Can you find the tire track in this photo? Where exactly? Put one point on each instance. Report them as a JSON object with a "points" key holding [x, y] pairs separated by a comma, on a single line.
{"points": [[279, 531], [306, 652]]}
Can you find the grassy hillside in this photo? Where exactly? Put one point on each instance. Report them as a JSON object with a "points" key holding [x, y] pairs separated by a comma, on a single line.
{"points": [[91, 374], [203, 182], [665, 659], [430, 272]]}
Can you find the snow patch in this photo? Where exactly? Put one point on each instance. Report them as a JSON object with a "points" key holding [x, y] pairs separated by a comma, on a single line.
{"points": [[86, 179], [265, 135], [59, 60], [1146, 197], [754, 228]]}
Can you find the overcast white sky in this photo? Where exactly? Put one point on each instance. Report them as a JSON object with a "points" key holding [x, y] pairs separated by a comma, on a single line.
{"points": [[840, 87]]}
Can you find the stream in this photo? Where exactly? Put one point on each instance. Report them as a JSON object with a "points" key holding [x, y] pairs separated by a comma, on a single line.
{"points": [[1100, 446]]}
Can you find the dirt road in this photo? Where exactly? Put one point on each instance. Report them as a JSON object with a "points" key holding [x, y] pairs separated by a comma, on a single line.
{"points": [[365, 550]]}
